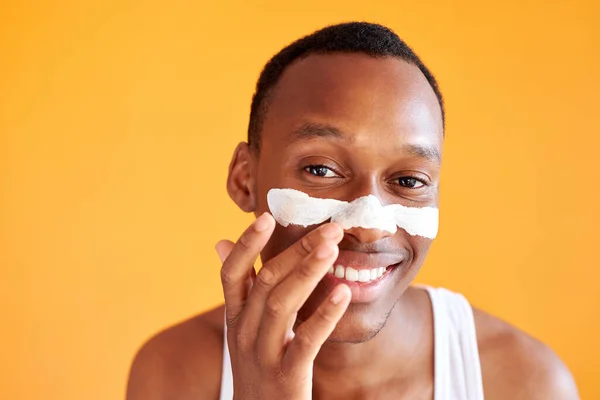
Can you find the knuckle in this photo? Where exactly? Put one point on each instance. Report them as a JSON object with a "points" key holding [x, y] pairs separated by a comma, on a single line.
{"points": [[305, 339], [323, 316], [307, 271], [231, 318], [242, 341], [306, 245], [275, 307], [279, 375], [265, 278], [245, 241], [226, 275], [256, 360]]}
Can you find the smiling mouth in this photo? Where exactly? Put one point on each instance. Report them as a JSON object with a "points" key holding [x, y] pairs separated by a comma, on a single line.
{"points": [[362, 267], [359, 275]]}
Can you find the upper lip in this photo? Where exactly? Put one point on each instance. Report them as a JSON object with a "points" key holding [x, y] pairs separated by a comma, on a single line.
{"points": [[367, 260]]}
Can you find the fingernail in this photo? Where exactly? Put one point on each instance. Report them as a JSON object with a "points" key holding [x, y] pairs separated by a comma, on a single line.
{"points": [[330, 231], [262, 223], [324, 251], [219, 252]]}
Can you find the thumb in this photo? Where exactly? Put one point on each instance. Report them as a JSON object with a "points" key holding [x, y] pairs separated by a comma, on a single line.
{"points": [[223, 248]]}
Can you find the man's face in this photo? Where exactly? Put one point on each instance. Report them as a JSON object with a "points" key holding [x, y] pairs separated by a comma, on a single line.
{"points": [[343, 126]]}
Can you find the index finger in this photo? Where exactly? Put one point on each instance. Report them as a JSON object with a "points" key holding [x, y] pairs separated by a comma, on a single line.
{"points": [[275, 270], [238, 266]]}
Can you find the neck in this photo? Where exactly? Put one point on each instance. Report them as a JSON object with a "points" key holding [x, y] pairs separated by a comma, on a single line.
{"points": [[401, 351]]}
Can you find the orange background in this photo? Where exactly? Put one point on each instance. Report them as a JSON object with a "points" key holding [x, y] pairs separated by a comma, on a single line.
{"points": [[117, 121]]}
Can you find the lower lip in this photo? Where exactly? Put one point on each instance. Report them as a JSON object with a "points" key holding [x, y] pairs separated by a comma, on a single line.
{"points": [[362, 292]]}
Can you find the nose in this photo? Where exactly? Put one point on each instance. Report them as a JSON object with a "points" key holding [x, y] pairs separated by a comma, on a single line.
{"points": [[363, 235], [366, 187]]}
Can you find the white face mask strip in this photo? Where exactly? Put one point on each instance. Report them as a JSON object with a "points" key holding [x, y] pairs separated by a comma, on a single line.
{"points": [[290, 206]]}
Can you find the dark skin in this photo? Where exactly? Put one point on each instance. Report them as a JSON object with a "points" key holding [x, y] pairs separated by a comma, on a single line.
{"points": [[338, 126]]}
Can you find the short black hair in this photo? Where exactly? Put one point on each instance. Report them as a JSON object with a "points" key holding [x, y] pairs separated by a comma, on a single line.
{"points": [[352, 37]]}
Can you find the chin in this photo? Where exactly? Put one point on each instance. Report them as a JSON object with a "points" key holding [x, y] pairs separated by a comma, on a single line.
{"points": [[359, 325], [362, 321]]}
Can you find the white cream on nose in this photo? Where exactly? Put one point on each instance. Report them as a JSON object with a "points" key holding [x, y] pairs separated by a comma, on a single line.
{"points": [[290, 206]]}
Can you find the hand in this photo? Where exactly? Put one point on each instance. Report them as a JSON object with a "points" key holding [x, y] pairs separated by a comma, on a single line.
{"points": [[269, 360]]}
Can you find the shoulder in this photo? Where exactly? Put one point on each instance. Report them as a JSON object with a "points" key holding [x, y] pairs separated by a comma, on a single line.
{"points": [[516, 366], [182, 362]]}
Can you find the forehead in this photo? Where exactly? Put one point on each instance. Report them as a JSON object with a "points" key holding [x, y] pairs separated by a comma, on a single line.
{"points": [[366, 98]]}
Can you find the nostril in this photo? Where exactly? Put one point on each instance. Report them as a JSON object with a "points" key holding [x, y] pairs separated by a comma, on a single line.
{"points": [[363, 235]]}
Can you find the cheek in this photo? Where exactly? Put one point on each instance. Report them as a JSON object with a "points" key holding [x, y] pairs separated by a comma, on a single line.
{"points": [[419, 247]]}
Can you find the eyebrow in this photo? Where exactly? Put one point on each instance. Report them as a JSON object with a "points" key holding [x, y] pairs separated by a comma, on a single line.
{"points": [[313, 130], [430, 153]]}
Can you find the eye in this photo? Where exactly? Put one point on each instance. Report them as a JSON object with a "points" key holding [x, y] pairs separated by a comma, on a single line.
{"points": [[410, 182], [321, 171]]}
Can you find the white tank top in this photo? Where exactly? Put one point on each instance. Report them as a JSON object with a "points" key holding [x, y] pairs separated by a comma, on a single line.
{"points": [[457, 372]]}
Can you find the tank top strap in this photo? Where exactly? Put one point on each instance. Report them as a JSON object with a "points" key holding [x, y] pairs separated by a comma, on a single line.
{"points": [[457, 369], [226, 373]]}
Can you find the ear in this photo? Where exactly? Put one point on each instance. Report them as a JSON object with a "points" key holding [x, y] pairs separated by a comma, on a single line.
{"points": [[241, 179]]}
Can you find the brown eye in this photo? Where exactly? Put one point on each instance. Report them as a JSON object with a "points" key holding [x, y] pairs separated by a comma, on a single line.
{"points": [[320, 171], [411, 183]]}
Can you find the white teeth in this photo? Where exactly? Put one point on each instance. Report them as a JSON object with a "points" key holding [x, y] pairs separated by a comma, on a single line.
{"points": [[351, 274], [374, 273], [364, 275]]}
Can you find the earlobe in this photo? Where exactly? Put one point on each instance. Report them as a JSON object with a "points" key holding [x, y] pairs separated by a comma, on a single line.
{"points": [[240, 181]]}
